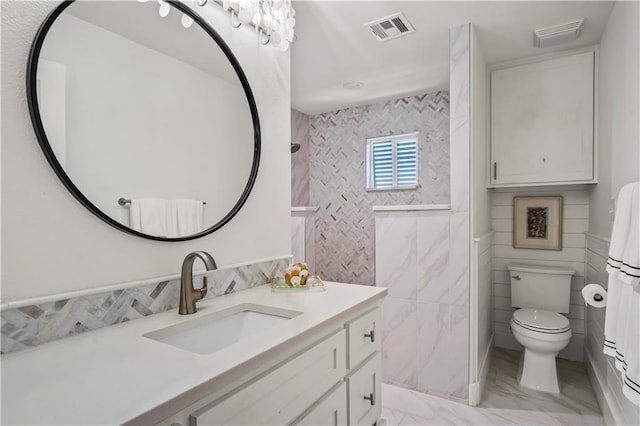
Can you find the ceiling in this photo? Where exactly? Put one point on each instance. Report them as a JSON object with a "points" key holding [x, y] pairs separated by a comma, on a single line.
{"points": [[140, 23], [334, 47]]}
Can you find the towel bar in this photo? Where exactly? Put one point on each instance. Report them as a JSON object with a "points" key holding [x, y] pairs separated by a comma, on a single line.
{"points": [[123, 201]]}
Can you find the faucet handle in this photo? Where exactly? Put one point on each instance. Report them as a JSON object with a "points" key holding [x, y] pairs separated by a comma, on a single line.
{"points": [[203, 290]]}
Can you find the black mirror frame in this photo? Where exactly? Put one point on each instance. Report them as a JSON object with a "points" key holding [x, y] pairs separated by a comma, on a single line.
{"points": [[34, 112]]}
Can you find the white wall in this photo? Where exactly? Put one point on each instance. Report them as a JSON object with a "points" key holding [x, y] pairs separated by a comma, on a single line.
{"points": [[619, 164], [480, 291], [574, 225], [605, 377], [51, 244], [618, 109]]}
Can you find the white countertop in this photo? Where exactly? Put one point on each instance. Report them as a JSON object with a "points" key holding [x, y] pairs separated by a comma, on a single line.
{"points": [[115, 374]]}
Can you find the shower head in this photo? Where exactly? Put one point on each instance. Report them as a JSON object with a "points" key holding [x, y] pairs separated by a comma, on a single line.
{"points": [[295, 147]]}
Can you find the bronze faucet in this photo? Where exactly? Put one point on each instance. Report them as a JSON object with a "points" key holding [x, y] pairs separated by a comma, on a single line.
{"points": [[189, 295]]}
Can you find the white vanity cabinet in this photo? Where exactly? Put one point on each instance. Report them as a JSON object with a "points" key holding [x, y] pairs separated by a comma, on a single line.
{"points": [[542, 122], [334, 380]]}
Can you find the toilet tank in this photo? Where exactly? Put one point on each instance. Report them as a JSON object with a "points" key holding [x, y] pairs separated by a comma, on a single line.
{"points": [[540, 287]]}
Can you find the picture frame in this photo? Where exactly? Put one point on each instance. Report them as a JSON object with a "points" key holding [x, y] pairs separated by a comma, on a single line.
{"points": [[537, 222]]}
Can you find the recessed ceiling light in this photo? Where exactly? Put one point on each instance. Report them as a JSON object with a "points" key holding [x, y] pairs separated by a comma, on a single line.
{"points": [[353, 85]]}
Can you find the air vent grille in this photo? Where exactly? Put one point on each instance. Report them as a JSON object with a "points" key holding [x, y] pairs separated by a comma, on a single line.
{"points": [[557, 34], [390, 27]]}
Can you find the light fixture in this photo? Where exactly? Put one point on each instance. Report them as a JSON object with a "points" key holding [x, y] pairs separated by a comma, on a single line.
{"points": [[164, 8], [186, 21], [273, 19]]}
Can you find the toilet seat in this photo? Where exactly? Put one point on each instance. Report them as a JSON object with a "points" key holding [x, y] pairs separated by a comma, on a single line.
{"points": [[540, 321]]}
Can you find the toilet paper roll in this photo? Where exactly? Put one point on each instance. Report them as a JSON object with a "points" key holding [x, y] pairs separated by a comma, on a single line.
{"points": [[594, 295]]}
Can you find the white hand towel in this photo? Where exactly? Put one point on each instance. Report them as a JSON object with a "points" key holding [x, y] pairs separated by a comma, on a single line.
{"points": [[621, 229], [630, 269], [150, 216], [190, 216], [622, 316]]}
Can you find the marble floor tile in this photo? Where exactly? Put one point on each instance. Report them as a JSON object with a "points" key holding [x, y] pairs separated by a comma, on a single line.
{"points": [[504, 401]]}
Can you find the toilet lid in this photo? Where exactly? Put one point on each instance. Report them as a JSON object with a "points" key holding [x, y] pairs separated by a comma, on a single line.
{"points": [[541, 321]]}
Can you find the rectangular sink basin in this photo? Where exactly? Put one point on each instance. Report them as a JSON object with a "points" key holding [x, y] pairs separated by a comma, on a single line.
{"points": [[210, 333]]}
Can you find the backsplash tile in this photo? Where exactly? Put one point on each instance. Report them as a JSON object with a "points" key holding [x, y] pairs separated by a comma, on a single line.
{"points": [[34, 325]]}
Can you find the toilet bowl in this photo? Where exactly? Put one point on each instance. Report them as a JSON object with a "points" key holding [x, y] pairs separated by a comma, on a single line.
{"points": [[543, 334]]}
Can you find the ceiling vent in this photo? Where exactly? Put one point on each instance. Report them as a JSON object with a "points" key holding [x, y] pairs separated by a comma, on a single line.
{"points": [[557, 34], [391, 27]]}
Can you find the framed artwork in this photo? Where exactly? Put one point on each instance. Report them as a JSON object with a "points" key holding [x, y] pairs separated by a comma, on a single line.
{"points": [[537, 223]]}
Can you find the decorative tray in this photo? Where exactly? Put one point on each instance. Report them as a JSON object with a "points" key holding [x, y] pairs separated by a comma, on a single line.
{"points": [[314, 282]]}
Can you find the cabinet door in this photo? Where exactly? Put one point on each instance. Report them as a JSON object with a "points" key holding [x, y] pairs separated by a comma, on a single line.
{"points": [[365, 336], [331, 410], [542, 118], [365, 391], [283, 394]]}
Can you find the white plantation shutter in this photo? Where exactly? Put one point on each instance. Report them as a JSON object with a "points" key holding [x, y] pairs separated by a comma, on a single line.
{"points": [[407, 163], [383, 165], [392, 162]]}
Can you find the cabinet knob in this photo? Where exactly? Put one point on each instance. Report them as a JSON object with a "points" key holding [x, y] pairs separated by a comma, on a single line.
{"points": [[371, 335], [371, 398]]}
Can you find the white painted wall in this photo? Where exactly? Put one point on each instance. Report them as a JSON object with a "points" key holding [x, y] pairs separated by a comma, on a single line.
{"points": [[51, 244], [605, 377], [144, 124], [618, 109], [574, 225], [480, 331], [619, 164]]}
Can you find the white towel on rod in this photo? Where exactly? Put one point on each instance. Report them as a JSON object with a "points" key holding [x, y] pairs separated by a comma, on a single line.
{"points": [[190, 216], [153, 216], [622, 316]]}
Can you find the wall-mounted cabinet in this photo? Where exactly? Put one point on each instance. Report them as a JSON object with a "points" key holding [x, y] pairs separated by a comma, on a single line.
{"points": [[543, 122]]}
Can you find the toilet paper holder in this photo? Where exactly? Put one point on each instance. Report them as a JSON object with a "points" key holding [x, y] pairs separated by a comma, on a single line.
{"points": [[594, 295]]}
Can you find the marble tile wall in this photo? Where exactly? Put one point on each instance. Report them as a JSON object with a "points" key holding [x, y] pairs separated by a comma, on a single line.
{"points": [[300, 159], [425, 329], [345, 221], [36, 324], [423, 258], [606, 379], [303, 238], [459, 225], [575, 223]]}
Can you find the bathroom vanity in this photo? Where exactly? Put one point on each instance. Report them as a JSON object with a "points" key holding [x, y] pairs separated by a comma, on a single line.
{"points": [[318, 363]]}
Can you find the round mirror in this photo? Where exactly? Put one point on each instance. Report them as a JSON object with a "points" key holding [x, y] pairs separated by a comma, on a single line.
{"points": [[145, 115]]}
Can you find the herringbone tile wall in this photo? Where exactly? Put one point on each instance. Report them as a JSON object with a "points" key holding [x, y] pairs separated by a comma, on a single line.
{"points": [[345, 221], [300, 159]]}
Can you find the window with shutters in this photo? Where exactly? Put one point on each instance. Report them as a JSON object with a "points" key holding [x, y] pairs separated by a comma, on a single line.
{"points": [[392, 162]]}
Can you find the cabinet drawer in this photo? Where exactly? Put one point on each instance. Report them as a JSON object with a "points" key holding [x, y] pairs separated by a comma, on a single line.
{"points": [[364, 389], [364, 335], [282, 394], [330, 411]]}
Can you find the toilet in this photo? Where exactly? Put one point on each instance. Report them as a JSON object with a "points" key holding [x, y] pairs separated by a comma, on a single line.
{"points": [[541, 295]]}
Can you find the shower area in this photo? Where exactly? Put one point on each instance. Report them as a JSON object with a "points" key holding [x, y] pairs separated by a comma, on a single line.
{"points": [[417, 242]]}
